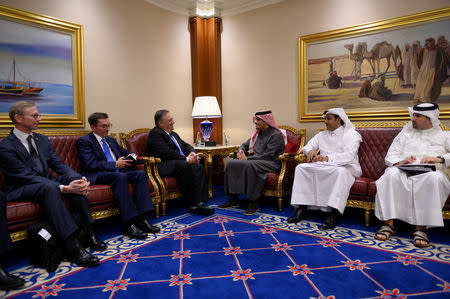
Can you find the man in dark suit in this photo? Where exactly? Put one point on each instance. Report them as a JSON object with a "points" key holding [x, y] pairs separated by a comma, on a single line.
{"points": [[25, 158], [179, 160], [7, 280], [103, 161]]}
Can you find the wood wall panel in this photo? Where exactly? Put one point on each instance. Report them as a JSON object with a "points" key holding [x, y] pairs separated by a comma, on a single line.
{"points": [[206, 64]]}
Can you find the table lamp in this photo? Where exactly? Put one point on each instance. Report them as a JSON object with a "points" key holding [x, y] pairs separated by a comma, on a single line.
{"points": [[206, 107]]}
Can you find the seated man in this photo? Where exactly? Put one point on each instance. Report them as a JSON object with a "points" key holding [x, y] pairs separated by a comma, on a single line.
{"points": [[416, 199], [25, 158], [179, 160], [324, 182], [103, 161], [247, 174], [7, 280]]}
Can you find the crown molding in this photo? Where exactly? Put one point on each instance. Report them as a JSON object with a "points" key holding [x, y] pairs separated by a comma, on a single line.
{"points": [[247, 5], [179, 7], [222, 7]]}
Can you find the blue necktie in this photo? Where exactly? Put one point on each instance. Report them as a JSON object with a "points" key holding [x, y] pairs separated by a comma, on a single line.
{"points": [[176, 143], [108, 154]]}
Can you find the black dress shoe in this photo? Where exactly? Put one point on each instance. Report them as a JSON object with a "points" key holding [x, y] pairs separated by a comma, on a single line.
{"points": [[134, 232], [9, 281], [95, 243], [299, 215], [148, 227], [201, 209], [78, 255], [331, 220], [252, 208], [232, 202]]}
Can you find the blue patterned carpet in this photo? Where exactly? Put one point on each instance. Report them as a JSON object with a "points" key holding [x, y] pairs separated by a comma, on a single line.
{"points": [[229, 255]]}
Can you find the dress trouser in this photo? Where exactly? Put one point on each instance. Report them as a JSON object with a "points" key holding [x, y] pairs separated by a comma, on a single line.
{"points": [[119, 183], [191, 177], [48, 195], [5, 240]]}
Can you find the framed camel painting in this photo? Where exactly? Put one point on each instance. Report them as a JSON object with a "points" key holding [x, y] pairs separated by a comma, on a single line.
{"points": [[375, 71], [41, 60]]}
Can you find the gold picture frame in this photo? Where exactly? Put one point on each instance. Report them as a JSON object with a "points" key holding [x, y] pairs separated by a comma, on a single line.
{"points": [[334, 66], [41, 60]]}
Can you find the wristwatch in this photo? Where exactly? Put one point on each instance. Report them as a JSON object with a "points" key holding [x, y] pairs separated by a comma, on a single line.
{"points": [[442, 158]]}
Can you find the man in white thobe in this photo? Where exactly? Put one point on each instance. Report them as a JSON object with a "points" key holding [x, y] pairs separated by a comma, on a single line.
{"points": [[324, 182], [416, 199]]}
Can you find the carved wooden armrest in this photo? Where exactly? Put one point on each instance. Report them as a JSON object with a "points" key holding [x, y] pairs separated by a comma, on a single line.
{"points": [[148, 160], [286, 156], [288, 164], [300, 158], [151, 168]]}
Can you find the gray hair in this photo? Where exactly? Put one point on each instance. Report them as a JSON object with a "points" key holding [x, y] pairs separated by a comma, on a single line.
{"points": [[18, 107], [159, 115]]}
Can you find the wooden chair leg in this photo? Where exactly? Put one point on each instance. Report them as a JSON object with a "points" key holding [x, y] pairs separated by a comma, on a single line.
{"points": [[157, 210], [367, 217], [163, 204], [280, 204]]}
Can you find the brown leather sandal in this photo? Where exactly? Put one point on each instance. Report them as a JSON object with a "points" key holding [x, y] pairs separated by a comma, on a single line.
{"points": [[421, 235], [386, 230]]}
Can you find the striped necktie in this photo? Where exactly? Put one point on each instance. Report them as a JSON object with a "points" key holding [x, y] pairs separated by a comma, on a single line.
{"points": [[35, 157]]}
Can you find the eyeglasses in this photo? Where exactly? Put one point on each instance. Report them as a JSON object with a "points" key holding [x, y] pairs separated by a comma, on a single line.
{"points": [[35, 115], [105, 126]]}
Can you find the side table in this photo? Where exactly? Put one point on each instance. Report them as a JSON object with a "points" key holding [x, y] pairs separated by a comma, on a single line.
{"points": [[208, 152]]}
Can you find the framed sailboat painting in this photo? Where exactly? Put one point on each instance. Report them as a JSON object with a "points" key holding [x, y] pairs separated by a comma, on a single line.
{"points": [[41, 60]]}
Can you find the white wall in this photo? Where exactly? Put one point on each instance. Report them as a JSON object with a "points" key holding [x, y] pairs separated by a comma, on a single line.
{"points": [[260, 54], [136, 58]]}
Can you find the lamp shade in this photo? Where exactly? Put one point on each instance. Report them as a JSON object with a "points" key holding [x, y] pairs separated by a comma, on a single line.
{"points": [[206, 107]]}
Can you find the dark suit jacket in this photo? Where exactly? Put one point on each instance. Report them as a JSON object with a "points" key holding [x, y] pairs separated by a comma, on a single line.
{"points": [[92, 157], [160, 145], [15, 163]]}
